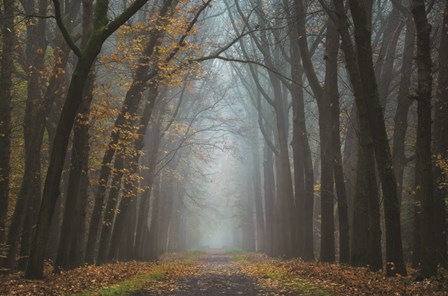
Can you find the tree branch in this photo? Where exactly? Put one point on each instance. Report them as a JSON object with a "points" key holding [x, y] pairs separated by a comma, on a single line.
{"points": [[63, 29], [123, 17]]}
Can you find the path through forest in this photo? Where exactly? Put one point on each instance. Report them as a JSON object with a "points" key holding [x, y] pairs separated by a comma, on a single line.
{"points": [[216, 273]]}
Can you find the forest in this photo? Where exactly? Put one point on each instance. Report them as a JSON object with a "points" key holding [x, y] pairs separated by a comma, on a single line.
{"points": [[278, 147]]}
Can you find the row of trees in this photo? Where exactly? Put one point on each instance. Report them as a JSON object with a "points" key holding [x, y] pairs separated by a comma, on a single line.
{"points": [[100, 131], [366, 71]]}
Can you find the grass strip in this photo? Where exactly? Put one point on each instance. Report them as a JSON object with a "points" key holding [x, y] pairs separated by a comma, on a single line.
{"points": [[126, 287]]}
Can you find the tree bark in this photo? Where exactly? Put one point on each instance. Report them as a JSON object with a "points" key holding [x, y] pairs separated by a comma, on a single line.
{"points": [[440, 144], [153, 238], [153, 152], [6, 70], [71, 246], [269, 194], [303, 165], [403, 105], [73, 230], [256, 177], [423, 163], [338, 170]]}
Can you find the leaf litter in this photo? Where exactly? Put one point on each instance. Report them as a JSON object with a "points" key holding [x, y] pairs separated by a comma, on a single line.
{"points": [[227, 274]]}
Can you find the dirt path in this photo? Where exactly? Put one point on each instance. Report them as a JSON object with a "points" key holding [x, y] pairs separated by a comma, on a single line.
{"points": [[215, 274]]}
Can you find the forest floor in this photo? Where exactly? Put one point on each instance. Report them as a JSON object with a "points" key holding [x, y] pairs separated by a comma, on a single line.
{"points": [[221, 273]]}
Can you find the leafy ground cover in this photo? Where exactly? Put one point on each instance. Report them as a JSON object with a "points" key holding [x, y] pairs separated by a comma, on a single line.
{"points": [[219, 273], [74, 281], [346, 280]]}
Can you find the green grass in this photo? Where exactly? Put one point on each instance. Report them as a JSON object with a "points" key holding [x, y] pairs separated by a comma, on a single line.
{"points": [[295, 285], [304, 289], [193, 255], [198, 250], [238, 255], [234, 251], [125, 287]]}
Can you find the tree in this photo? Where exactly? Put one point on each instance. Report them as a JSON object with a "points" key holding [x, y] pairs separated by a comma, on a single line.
{"points": [[6, 71], [440, 144], [424, 189]]}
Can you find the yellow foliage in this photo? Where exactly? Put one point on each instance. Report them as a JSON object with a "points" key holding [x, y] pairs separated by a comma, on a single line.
{"points": [[442, 163]]}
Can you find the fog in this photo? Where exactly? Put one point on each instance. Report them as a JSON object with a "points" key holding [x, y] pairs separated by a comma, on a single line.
{"points": [[299, 129]]}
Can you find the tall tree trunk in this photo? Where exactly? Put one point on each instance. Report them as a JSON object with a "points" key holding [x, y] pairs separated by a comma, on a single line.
{"points": [[81, 142], [155, 137], [303, 178], [440, 144], [166, 202], [256, 176], [423, 164], [303, 166], [327, 248], [326, 129], [122, 244], [174, 235], [72, 208], [343, 219], [153, 238], [384, 69], [269, 194], [374, 251], [403, 105], [365, 191], [350, 154], [71, 247], [107, 222], [248, 222], [416, 239], [125, 209], [6, 70], [332, 95]]}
